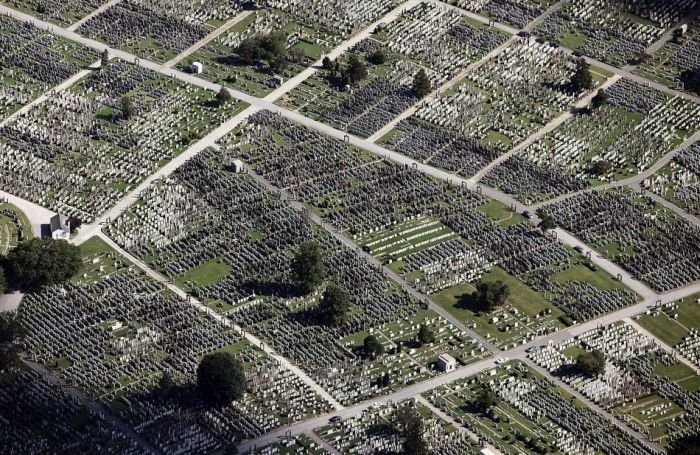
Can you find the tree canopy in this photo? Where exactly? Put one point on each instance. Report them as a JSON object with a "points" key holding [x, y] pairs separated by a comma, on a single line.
{"points": [[377, 57], [40, 262], [127, 107], [591, 363], [409, 425], [372, 346], [3, 280], [421, 84], [334, 307], [582, 79], [486, 399], [223, 96], [356, 71], [547, 221], [599, 99], [270, 48], [221, 378], [689, 445], [307, 267], [601, 167], [490, 295], [425, 335]]}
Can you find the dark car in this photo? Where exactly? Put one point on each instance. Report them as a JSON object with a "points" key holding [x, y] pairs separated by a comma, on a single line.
{"points": [[540, 40], [523, 34], [577, 54], [553, 44], [527, 214], [335, 419]]}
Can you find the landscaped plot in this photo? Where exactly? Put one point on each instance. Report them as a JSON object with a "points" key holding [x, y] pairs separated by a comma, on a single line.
{"points": [[223, 64], [522, 412], [14, 227], [64, 12], [676, 63], [636, 380], [115, 332], [617, 140], [158, 29], [80, 151], [651, 242], [293, 446], [679, 180], [612, 31], [437, 40], [379, 430], [677, 324], [499, 104], [367, 199], [32, 61]]}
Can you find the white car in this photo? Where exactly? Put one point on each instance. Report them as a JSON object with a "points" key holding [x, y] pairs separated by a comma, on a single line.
{"points": [[501, 360], [377, 405]]}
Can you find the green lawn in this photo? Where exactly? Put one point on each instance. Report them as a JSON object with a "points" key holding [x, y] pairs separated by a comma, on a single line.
{"points": [[598, 278], [94, 246], [521, 295], [661, 326], [208, 273]]}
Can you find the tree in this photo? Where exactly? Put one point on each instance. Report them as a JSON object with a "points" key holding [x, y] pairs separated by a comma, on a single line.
{"points": [[297, 55], [377, 57], [409, 425], [421, 84], [372, 346], [307, 267], [105, 58], [547, 221], [642, 57], [127, 107], [490, 295], [486, 399], [425, 335], [688, 445], [223, 96], [582, 79], [591, 363], [11, 332], [221, 378], [599, 99], [601, 167], [268, 48], [356, 70], [327, 64], [334, 307], [41, 262]]}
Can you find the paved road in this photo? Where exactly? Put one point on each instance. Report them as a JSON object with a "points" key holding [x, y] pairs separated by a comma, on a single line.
{"points": [[36, 214]]}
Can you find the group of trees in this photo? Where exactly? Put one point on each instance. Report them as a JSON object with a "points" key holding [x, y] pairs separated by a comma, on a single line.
{"points": [[409, 425], [270, 49], [308, 272], [39, 262], [582, 79], [11, 332]]}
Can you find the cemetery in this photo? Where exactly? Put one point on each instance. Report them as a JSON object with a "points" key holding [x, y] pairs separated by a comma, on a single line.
{"points": [[32, 62], [650, 390], [676, 324], [61, 12], [613, 31], [14, 227], [494, 107], [85, 136], [675, 64], [428, 37], [300, 444], [222, 65], [679, 180], [378, 430], [620, 139], [517, 13], [517, 410], [654, 244]]}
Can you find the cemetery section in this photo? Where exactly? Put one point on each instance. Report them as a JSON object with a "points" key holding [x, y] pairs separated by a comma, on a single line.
{"points": [[646, 387], [619, 139], [63, 13], [32, 62], [679, 180], [116, 333], [613, 31], [494, 107], [676, 63], [517, 410], [14, 228], [430, 37], [653, 243], [82, 150]]}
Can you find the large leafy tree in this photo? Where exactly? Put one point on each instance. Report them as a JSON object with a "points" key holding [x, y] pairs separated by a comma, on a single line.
{"points": [[582, 79], [334, 307], [372, 346], [491, 295], [421, 84], [221, 378], [40, 262], [591, 363], [307, 267], [409, 424]]}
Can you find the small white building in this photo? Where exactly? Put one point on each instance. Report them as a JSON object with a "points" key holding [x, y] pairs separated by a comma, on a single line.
{"points": [[60, 227], [196, 68], [446, 363], [486, 452], [237, 166]]}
